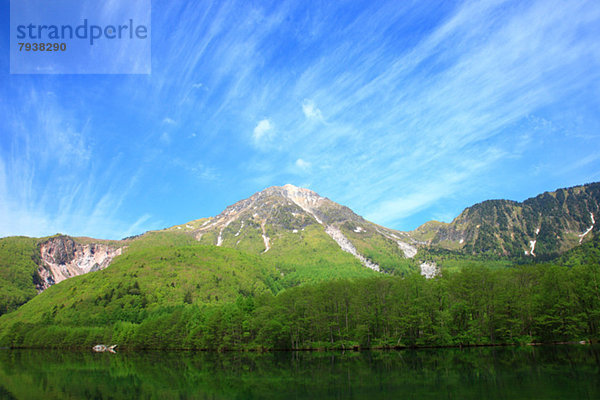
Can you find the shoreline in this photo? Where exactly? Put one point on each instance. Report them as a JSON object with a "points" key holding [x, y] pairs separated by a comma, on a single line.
{"points": [[356, 349]]}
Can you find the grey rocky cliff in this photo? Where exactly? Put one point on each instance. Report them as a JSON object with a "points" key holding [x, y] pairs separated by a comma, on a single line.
{"points": [[62, 258]]}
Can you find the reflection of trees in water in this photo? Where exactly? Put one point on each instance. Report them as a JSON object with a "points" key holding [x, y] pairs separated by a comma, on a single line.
{"points": [[496, 372]]}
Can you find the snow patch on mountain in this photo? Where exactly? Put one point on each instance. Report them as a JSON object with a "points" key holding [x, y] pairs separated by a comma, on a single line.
{"points": [[429, 270], [348, 247], [240, 230], [408, 250], [532, 244], [266, 239], [532, 247], [309, 201], [589, 229]]}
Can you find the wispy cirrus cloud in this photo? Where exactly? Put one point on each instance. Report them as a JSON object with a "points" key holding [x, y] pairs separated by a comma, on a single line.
{"points": [[165, 138], [449, 103], [49, 180], [263, 130], [397, 109], [302, 164], [400, 111], [311, 111]]}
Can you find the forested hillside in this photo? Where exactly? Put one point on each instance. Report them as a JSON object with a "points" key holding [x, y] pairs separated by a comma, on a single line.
{"points": [[19, 259], [161, 307], [543, 227]]}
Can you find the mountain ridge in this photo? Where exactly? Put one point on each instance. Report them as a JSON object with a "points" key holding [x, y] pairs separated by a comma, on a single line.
{"points": [[308, 237], [545, 225]]}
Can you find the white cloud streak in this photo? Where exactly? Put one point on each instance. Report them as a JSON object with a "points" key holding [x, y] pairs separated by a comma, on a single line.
{"points": [[311, 111], [262, 131], [302, 164], [444, 104], [398, 111], [405, 105], [49, 182]]}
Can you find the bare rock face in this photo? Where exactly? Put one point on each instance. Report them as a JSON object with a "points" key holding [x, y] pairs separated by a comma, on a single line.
{"points": [[63, 258], [429, 270]]}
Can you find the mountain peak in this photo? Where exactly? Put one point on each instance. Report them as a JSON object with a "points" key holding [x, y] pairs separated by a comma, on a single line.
{"points": [[291, 192], [279, 216], [289, 186]]}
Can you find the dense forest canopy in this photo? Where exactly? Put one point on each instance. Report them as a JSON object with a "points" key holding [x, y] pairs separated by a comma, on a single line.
{"points": [[472, 305]]}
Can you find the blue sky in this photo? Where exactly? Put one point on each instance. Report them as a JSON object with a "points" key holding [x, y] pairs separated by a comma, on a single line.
{"points": [[403, 111]]}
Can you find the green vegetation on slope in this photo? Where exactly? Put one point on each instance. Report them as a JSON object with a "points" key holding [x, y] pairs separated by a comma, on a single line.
{"points": [[19, 258], [134, 287], [454, 260], [138, 307], [307, 255], [472, 306], [587, 253], [311, 256], [161, 239]]}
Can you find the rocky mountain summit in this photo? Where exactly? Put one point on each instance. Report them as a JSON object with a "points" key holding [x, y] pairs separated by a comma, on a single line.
{"points": [[266, 219]]}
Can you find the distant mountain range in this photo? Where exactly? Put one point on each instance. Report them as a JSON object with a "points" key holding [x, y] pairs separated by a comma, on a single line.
{"points": [[303, 237], [542, 226]]}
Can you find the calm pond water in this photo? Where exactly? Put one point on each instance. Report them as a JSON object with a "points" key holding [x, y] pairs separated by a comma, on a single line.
{"points": [[544, 372]]}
